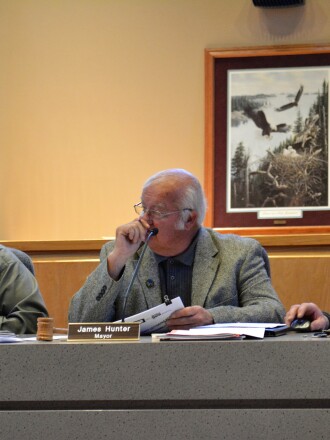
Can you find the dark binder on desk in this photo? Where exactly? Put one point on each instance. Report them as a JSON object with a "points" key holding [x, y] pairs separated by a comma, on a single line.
{"points": [[276, 331]]}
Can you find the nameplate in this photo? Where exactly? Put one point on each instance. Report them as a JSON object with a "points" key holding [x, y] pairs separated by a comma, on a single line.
{"points": [[103, 331]]}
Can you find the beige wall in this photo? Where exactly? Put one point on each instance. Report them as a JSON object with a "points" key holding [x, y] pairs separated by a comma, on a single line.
{"points": [[96, 95]]}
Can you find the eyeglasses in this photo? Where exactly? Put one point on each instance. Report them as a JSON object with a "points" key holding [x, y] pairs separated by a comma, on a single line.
{"points": [[153, 213]]}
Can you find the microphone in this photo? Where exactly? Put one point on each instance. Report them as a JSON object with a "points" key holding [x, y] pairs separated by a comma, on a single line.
{"points": [[152, 233]]}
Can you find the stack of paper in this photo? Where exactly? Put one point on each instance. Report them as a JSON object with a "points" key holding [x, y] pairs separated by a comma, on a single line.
{"points": [[227, 331], [194, 335], [6, 336]]}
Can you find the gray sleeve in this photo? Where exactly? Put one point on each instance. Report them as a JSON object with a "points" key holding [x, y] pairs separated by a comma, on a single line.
{"points": [[20, 299], [254, 298], [95, 301], [327, 315]]}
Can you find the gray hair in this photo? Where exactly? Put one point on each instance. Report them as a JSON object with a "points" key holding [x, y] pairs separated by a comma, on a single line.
{"points": [[192, 195]]}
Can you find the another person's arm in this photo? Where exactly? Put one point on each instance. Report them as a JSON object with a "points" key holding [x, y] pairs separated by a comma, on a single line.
{"points": [[21, 302], [310, 311]]}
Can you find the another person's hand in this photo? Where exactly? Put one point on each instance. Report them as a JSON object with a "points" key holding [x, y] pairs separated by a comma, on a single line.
{"points": [[189, 317], [308, 311], [128, 240]]}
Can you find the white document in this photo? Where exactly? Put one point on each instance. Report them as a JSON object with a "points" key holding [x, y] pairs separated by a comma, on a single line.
{"points": [[7, 336], [10, 339], [212, 331], [153, 320], [243, 325]]}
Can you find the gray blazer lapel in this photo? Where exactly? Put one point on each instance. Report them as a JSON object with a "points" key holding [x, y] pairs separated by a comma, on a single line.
{"points": [[206, 264], [149, 271]]}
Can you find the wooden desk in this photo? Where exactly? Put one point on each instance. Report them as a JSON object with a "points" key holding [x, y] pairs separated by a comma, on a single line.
{"points": [[276, 388]]}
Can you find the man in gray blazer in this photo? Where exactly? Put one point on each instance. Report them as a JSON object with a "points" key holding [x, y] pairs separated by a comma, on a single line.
{"points": [[220, 278]]}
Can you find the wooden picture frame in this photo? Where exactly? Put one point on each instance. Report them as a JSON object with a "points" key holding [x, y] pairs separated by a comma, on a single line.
{"points": [[219, 64]]}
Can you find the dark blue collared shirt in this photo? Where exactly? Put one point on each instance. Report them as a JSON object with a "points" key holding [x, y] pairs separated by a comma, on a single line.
{"points": [[175, 273]]}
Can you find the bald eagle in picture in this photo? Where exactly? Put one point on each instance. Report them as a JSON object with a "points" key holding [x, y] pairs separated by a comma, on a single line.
{"points": [[259, 118], [293, 103]]}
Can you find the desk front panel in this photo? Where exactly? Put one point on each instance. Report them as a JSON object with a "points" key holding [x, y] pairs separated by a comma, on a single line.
{"points": [[276, 388], [210, 424], [182, 374]]}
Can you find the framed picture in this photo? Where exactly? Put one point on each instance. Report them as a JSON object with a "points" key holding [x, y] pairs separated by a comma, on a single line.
{"points": [[267, 138]]}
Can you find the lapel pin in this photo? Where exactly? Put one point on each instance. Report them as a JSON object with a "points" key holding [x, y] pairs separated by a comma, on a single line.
{"points": [[150, 283]]}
